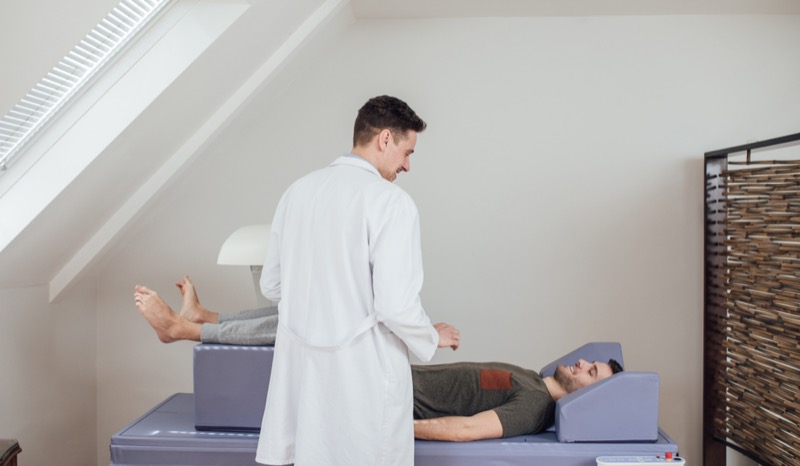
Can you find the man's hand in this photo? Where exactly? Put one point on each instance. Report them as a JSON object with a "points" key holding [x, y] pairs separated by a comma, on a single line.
{"points": [[448, 335]]}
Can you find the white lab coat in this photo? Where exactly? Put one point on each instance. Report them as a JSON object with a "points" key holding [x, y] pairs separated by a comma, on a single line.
{"points": [[345, 264]]}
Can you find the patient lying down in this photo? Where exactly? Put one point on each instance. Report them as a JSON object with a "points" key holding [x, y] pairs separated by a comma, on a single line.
{"points": [[454, 402]]}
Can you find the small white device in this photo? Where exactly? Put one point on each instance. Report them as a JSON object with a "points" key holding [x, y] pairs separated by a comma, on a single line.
{"points": [[667, 459]]}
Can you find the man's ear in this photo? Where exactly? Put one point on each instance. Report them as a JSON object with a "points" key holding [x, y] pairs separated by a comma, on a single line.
{"points": [[383, 139]]}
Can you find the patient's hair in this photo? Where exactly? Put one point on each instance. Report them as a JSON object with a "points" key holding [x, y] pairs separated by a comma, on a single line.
{"points": [[385, 112], [615, 366]]}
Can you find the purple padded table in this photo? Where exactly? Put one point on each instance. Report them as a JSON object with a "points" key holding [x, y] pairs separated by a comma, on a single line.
{"points": [[166, 436]]}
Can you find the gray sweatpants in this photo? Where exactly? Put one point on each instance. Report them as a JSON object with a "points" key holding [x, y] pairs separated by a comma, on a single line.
{"points": [[251, 327]]}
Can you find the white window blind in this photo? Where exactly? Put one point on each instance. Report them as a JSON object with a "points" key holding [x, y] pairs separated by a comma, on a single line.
{"points": [[64, 81]]}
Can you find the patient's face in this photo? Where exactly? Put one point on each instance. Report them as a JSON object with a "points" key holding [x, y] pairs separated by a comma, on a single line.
{"points": [[581, 374]]}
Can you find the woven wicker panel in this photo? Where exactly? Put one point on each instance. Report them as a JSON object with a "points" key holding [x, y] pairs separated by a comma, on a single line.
{"points": [[762, 329]]}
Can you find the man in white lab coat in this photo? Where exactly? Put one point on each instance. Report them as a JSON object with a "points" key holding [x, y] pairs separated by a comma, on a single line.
{"points": [[345, 265]]}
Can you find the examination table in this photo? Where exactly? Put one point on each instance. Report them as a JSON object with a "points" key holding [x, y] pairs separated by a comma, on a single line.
{"points": [[218, 424]]}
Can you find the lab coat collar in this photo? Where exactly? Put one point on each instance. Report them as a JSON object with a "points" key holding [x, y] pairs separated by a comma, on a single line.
{"points": [[356, 161]]}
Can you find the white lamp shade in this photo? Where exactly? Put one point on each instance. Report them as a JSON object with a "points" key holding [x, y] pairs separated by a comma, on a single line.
{"points": [[246, 246]]}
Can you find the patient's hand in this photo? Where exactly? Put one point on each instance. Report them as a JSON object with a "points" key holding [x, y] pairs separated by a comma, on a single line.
{"points": [[448, 335]]}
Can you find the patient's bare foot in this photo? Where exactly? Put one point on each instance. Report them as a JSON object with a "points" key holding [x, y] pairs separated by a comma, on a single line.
{"points": [[169, 326], [191, 309]]}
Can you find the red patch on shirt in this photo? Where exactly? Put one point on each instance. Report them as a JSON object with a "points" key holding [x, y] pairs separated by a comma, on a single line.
{"points": [[495, 380]]}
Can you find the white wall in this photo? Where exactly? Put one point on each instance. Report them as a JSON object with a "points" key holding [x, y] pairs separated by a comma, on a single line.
{"points": [[735, 458], [47, 399], [559, 187]]}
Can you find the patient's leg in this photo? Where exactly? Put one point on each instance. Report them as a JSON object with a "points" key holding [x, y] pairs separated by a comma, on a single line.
{"points": [[248, 314], [168, 325], [249, 327], [257, 328]]}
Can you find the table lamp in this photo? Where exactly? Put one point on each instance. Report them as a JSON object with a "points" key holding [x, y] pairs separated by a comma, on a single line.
{"points": [[248, 246]]}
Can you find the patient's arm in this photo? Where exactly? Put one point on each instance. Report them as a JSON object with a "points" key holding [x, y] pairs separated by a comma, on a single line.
{"points": [[460, 428]]}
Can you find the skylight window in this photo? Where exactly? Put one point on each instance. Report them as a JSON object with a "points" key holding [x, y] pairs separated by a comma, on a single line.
{"points": [[67, 78]]}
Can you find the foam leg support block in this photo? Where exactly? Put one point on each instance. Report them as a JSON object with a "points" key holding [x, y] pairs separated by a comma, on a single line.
{"points": [[230, 386]]}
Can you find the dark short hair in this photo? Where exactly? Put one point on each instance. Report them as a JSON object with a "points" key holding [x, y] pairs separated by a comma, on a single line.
{"points": [[615, 366], [385, 112]]}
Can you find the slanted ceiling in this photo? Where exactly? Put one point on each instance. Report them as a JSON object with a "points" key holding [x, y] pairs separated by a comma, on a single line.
{"points": [[62, 236], [59, 240]]}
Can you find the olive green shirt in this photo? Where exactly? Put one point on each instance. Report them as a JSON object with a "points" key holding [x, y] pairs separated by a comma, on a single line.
{"points": [[518, 396]]}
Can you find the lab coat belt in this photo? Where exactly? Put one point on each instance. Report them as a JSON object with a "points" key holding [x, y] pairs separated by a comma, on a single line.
{"points": [[368, 322]]}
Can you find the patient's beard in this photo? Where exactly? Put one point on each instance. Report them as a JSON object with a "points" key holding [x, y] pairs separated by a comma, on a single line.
{"points": [[562, 376]]}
